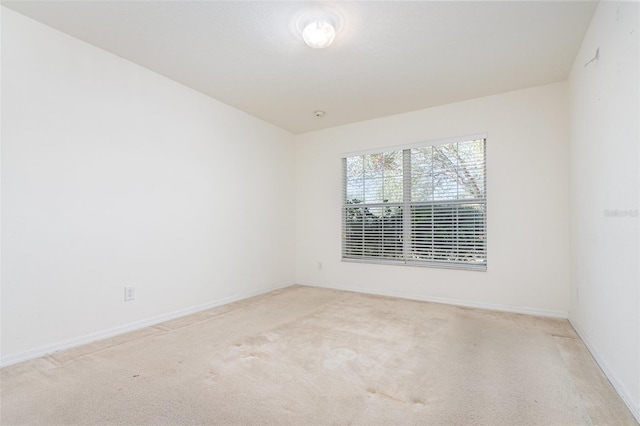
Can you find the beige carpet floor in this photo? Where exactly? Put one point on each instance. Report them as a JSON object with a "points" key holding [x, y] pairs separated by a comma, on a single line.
{"points": [[310, 356]]}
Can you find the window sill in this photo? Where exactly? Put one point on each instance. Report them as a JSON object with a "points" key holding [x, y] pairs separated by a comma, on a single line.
{"points": [[423, 264]]}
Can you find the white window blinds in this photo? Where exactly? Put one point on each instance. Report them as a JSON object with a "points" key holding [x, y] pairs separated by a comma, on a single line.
{"points": [[422, 205]]}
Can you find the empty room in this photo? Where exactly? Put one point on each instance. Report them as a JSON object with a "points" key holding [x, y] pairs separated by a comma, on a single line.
{"points": [[320, 213]]}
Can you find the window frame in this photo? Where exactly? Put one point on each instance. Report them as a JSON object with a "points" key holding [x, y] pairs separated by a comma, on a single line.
{"points": [[407, 205]]}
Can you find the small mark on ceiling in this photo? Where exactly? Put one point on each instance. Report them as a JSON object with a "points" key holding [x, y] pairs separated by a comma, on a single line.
{"points": [[595, 58]]}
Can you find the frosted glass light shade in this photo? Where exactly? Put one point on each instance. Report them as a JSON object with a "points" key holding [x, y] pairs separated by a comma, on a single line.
{"points": [[319, 34]]}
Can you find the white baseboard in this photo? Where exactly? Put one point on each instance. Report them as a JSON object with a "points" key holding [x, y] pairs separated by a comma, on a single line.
{"points": [[604, 366], [456, 302], [126, 328]]}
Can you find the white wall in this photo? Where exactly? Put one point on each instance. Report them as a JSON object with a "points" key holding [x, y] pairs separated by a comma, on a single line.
{"points": [[604, 141], [1, 9], [527, 202], [114, 175]]}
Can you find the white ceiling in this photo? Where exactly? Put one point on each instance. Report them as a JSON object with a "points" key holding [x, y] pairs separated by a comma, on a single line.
{"points": [[388, 57]]}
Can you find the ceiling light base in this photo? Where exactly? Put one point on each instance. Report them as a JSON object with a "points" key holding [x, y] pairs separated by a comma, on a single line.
{"points": [[319, 33]]}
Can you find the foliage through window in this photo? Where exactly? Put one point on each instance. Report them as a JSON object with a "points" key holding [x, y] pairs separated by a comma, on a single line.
{"points": [[420, 205]]}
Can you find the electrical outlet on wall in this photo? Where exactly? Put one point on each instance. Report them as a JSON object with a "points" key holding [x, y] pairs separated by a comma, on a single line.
{"points": [[320, 266], [129, 293]]}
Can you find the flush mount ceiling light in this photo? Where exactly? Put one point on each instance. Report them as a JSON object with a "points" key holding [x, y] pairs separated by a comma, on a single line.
{"points": [[319, 33]]}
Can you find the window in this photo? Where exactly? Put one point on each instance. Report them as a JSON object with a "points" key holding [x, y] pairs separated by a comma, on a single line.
{"points": [[422, 205]]}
